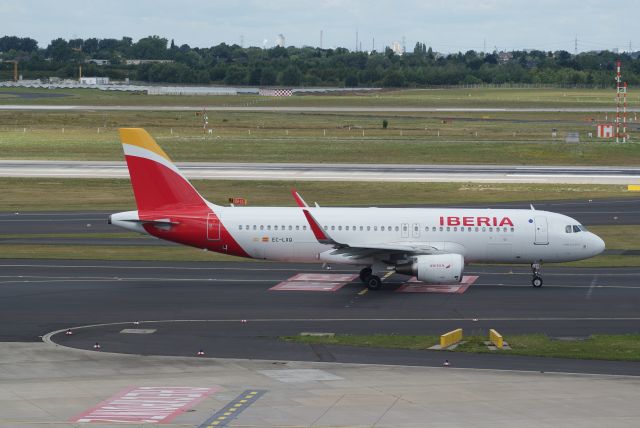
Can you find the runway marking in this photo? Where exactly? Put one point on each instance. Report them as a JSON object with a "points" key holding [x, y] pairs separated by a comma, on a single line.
{"points": [[415, 286], [275, 269], [47, 338], [308, 286], [591, 287], [146, 404], [231, 411], [20, 279], [314, 282]]}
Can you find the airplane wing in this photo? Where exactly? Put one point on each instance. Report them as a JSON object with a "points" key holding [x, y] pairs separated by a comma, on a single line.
{"points": [[361, 250]]}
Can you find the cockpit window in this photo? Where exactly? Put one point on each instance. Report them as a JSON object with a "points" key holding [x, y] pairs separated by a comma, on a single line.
{"points": [[568, 229], [582, 228], [576, 229]]}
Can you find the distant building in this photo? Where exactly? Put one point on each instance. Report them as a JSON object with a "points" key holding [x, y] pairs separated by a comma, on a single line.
{"points": [[504, 57], [98, 61], [280, 41], [147, 61], [396, 47], [94, 80]]}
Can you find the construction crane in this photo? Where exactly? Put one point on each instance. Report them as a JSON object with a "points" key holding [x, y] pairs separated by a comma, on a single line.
{"points": [[15, 69]]}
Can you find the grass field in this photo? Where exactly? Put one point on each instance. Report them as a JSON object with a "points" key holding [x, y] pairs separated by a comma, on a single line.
{"points": [[459, 97], [68, 194], [504, 138], [596, 347]]}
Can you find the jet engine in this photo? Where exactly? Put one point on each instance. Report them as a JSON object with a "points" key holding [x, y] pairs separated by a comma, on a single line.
{"points": [[435, 268]]}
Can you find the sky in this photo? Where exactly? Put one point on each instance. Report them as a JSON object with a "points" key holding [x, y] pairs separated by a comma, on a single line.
{"points": [[446, 25]]}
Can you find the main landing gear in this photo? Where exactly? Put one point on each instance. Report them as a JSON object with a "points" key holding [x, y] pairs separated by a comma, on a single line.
{"points": [[536, 281], [373, 282]]}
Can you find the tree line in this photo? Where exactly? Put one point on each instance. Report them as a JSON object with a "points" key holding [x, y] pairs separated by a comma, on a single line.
{"points": [[309, 66]]}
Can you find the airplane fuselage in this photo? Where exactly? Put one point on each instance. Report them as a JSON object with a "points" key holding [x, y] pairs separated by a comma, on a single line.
{"points": [[283, 234]]}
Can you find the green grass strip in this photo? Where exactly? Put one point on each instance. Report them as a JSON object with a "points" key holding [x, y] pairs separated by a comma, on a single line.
{"points": [[596, 347]]}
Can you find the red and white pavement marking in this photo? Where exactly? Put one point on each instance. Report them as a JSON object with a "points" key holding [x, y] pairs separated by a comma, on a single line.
{"points": [[315, 282], [415, 286], [146, 404]]}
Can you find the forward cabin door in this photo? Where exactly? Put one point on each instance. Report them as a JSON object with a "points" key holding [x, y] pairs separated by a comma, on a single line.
{"points": [[542, 233], [213, 227]]}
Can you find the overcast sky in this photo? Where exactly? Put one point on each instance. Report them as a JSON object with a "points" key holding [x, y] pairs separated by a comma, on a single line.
{"points": [[447, 25]]}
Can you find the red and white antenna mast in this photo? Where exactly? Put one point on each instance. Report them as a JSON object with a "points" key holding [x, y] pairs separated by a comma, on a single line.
{"points": [[621, 104]]}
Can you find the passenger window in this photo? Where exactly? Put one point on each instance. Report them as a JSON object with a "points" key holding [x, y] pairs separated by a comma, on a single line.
{"points": [[484, 229], [382, 228], [247, 227], [290, 227], [255, 227], [433, 229], [275, 227], [455, 229], [298, 227], [375, 228], [361, 228], [441, 228], [568, 229], [397, 229], [512, 229], [448, 229], [304, 227], [326, 228], [491, 229], [368, 228], [477, 228], [333, 228], [269, 227], [262, 227], [240, 227], [339, 227]]}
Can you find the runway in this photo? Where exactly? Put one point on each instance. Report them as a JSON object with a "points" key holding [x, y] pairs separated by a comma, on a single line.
{"points": [[195, 306], [338, 172], [589, 212], [319, 109]]}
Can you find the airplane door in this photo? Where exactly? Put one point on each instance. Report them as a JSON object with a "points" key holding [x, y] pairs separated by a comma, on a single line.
{"points": [[404, 230], [542, 233], [415, 231], [213, 227]]}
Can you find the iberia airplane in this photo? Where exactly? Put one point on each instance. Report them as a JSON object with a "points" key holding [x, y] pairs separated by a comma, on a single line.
{"points": [[432, 244]]}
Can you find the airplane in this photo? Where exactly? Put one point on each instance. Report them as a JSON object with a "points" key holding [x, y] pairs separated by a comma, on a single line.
{"points": [[432, 244]]}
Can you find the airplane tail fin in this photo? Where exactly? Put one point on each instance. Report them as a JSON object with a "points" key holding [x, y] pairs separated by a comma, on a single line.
{"points": [[157, 183]]}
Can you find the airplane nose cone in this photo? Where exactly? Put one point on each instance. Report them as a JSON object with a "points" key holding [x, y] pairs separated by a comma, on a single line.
{"points": [[597, 245]]}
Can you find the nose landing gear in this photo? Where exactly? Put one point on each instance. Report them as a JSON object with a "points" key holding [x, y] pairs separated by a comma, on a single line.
{"points": [[536, 281]]}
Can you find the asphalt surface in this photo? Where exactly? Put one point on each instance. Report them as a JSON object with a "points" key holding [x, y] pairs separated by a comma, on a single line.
{"points": [[590, 212], [307, 109], [337, 172], [202, 306]]}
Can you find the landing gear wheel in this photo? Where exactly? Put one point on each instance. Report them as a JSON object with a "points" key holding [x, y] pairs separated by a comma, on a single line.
{"points": [[373, 282], [536, 282], [364, 273]]}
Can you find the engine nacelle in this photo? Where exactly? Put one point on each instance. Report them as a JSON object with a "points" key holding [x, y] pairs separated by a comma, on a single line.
{"points": [[435, 268]]}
